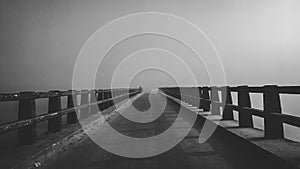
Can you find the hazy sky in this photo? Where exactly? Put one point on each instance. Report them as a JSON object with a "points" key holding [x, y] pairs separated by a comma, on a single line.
{"points": [[258, 40]]}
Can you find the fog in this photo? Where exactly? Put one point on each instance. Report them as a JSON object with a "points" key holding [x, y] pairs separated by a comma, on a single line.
{"points": [[258, 42]]}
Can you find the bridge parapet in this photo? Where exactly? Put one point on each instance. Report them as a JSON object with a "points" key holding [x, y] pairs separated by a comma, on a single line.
{"points": [[272, 112], [90, 101]]}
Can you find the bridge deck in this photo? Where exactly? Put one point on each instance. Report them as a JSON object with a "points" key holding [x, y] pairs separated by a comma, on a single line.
{"points": [[187, 154]]}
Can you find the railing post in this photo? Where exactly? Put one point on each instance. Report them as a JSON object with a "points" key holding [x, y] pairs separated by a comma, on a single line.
{"points": [[107, 91], [117, 100], [227, 99], [272, 104], [178, 92], [27, 135], [54, 124], [106, 103], [200, 96], [108, 97], [245, 119], [72, 102], [182, 93], [124, 92], [117, 94], [128, 91], [94, 108], [206, 103], [111, 102], [140, 89], [114, 94], [215, 110], [84, 112], [100, 98]]}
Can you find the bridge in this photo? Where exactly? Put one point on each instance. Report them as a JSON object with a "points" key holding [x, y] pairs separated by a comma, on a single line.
{"points": [[65, 143]]}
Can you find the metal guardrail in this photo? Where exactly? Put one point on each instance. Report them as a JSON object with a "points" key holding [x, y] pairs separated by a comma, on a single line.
{"points": [[27, 118], [272, 113]]}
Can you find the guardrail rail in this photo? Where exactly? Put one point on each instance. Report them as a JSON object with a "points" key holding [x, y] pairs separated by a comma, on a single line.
{"points": [[100, 99]]}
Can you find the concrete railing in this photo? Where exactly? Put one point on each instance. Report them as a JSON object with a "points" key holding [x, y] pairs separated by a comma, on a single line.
{"points": [[208, 99], [91, 102]]}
